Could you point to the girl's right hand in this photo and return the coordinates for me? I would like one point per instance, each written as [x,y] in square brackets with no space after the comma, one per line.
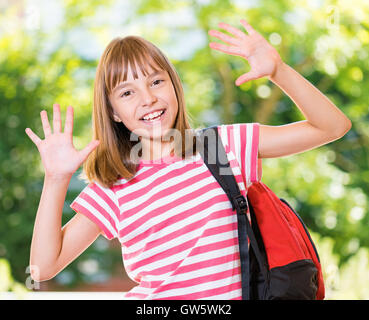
[58,155]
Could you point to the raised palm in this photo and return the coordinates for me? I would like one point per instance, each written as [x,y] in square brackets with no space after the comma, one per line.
[262,57]
[58,155]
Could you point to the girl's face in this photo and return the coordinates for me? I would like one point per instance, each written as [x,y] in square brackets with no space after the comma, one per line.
[135,101]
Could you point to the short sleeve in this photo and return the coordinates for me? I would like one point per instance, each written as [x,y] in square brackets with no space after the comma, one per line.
[243,140]
[100,205]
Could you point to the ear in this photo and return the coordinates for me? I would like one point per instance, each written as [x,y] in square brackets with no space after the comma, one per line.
[116,118]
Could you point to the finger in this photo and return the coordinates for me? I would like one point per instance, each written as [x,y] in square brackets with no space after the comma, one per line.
[68,126]
[236,32]
[226,49]
[56,118]
[88,149]
[45,123]
[251,75]
[223,37]
[250,30]
[35,139]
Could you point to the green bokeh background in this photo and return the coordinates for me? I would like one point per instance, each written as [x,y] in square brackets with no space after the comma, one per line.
[49,52]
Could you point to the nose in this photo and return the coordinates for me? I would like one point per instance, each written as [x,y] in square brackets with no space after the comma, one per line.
[148,97]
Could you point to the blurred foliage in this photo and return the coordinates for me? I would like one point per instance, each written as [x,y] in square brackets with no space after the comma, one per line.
[7,282]
[49,53]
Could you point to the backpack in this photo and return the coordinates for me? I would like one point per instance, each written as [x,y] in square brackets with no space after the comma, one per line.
[278,257]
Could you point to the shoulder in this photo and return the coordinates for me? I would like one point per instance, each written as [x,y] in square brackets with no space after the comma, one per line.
[239,133]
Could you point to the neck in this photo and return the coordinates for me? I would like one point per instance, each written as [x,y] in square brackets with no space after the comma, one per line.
[155,149]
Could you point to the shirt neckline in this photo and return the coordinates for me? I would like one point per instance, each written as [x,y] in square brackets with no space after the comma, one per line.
[159,162]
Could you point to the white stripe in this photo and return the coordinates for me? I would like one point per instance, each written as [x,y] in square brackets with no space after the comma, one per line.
[159,277]
[224,135]
[217,237]
[225,296]
[160,263]
[168,279]
[236,139]
[208,256]
[248,153]
[200,287]
[202,272]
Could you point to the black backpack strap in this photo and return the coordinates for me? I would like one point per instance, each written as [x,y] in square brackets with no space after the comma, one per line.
[212,151]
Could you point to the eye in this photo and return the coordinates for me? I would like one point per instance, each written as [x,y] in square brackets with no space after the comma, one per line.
[126,94]
[158,81]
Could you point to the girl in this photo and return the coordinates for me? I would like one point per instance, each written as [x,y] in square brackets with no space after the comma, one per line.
[175,224]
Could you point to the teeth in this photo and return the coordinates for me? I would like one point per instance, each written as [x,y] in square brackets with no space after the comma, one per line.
[153,115]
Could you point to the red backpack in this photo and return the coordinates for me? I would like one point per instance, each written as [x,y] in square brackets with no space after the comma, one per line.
[278,257]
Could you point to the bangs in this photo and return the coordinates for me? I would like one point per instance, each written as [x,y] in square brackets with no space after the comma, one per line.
[131,52]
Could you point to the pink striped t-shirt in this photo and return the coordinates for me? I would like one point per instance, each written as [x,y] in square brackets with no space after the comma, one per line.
[176,226]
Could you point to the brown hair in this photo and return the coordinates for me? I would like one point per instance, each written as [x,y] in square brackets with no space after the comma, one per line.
[111,159]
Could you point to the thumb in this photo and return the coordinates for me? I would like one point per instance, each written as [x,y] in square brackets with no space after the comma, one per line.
[251,75]
[88,149]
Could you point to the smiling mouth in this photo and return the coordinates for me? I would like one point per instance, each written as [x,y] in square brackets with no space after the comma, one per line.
[158,117]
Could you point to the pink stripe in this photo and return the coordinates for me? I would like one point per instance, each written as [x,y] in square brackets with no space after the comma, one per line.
[254,152]
[136,179]
[135,295]
[199,280]
[191,227]
[99,209]
[220,229]
[205,264]
[78,208]
[214,246]
[156,272]
[161,194]
[230,133]
[151,284]
[206,293]
[106,199]
[160,210]
[243,143]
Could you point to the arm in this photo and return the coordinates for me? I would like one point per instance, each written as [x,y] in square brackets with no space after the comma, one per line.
[324,121]
[52,247]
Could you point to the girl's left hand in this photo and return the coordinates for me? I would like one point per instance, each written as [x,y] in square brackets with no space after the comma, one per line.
[262,56]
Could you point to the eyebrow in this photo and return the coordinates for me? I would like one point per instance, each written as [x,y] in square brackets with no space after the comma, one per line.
[124,84]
